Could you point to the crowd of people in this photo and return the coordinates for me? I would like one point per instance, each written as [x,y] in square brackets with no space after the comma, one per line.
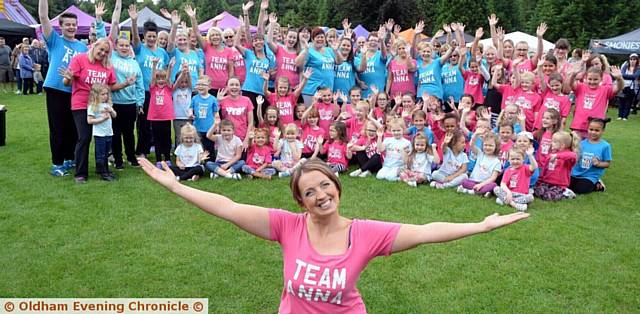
[484,120]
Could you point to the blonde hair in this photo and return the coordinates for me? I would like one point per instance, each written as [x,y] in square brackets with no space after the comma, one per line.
[106,60]
[363,103]
[189,129]
[396,122]
[570,141]
[214,29]
[94,95]
[492,137]
[527,76]
[291,127]
[424,44]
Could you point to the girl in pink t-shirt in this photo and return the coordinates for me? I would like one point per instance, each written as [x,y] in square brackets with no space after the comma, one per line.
[400,71]
[283,98]
[269,120]
[555,177]
[514,187]
[312,135]
[474,77]
[161,110]
[505,133]
[553,98]
[237,109]
[525,98]
[327,109]
[336,147]
[592,98]
[550,125]
[259,156]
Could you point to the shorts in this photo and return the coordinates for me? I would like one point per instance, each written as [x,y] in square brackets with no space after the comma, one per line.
[6,75]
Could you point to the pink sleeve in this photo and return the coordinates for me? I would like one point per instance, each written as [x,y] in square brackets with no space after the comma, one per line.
[74,66]
[267,157]
[378,236]
[610,93]
[281,222]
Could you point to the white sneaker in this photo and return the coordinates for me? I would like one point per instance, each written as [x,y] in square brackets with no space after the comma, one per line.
[568,193]
[337,174]
[461,189]
[520,207]
[472,192]
[439,186]
[213,175]
[365,174]
[619,118]
[284,174]
[355,173]
[17,92]
[412,183]
[236,176]
[499,201]
[432,184]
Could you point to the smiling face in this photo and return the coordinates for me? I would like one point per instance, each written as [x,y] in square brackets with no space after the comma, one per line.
[382,101]
[325,96]
[123,47]
[548,120]
[521,50]
[300,111]
[215,38]
[261,138]
[272,116]
[150,38]
[526,84]
[183,41]
[450,124]
[373,43]
[489,147]
[420,145]
[69,27]
[548,67]
[319,41]
[202,86]
[228,37]
[319,195]
[187,139]
[522,142]
[506,133]
[425,53]
[355,96]
[291,39]
[233,87]
[345,47]
[593,80]
[396,131]
[258,42]
[515,159]
[101,50]
[227,132]
[418,122]
[283,87]
[555,86]
[508,49]
[163,39]
[595,130]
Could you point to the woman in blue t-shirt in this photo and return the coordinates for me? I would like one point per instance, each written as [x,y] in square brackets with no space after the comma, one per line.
[345,72]
[184,54]
[321,59]
[372,64]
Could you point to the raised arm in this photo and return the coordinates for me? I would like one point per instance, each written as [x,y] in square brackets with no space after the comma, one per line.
[193,18]
[416,38]
[115,21]
[175,20]
[303,81]
[493,21]
[476,39]
[43,14]
[252,219]
[135,37]
[273,19]
[542,28]
[245,18]
[617,74]
[237,41]
[262,16]
[410,236]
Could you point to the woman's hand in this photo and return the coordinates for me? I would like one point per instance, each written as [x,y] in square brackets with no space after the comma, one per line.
[165,177]
[496,221]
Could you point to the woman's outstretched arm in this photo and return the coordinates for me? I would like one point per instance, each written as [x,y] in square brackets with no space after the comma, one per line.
[252,219]
[410,236]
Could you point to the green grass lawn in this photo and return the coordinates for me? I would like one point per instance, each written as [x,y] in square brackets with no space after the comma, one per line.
[132,238]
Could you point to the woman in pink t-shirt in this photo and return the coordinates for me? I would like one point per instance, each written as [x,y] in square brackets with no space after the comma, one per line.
[285,54]
[218,59]
[239,69]
[401,70]
[323,251]
[84,70]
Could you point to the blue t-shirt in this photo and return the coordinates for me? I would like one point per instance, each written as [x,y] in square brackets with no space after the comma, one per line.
[192,60]
[345,77]
[253,81]
[412,131]
[584,168]
[322,65]
[204,110]
[429,78]
[374,74]
[144,55]
[472,155]
[452,82]
[61,51]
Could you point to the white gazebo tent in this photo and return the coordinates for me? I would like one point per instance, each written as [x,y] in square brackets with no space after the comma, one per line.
[516,37]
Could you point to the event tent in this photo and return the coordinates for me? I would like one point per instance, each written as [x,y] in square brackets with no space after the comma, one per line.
[11,28]
[226,20]
[14,11]
[361,31]
[624,44]
[84,21]
[516,37]
[145,15]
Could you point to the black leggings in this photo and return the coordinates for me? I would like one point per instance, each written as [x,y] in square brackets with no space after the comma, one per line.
[62,129]
[85,131]
[162,137]
[582,186]
[188,172]
[123,125]
[371,164]
[144,128]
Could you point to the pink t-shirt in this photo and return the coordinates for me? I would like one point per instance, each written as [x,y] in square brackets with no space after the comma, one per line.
[504,151]
[370,144]
[285,105]
[310,138]
[286,66]
[354,128]
[326,115]
[590,103]
[239,69]
[216,64]
[315,283]
[473,85]
[85,74]
[517,180]
[402,81]
[544,149]
[526,66]
[508,94]
[336,152]
[379,115]
[160,104]
[272,132]
[258,155]
[562,103]
[558,170]
[235,110]
[529,103]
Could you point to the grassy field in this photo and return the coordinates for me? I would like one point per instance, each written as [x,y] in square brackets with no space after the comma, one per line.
[131,238]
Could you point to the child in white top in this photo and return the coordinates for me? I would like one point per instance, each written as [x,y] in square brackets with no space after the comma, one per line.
[289,150]
[189,155]
[418,163]
[229,147]
[454,162]
[395,149]
[99,114]
[487,167]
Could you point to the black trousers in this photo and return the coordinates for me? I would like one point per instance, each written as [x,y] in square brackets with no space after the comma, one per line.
[581,186]
[162,136]
[188,172]
[84,132]
[625,102]
[372,164]
[144,128]
[62,129]
[208,145]
[123,125]
[27,86]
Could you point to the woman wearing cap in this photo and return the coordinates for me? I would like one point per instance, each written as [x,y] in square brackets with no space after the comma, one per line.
[323,251]
[630,74]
